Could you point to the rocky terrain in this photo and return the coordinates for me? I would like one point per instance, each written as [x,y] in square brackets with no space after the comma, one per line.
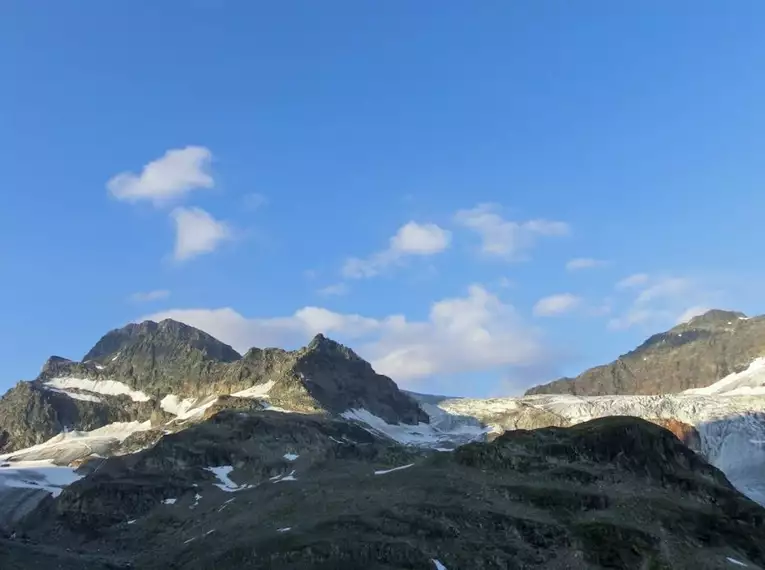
[273,490]
[691,355]
[164,448]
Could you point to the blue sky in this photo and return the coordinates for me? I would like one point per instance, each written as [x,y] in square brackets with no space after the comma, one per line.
[411,178]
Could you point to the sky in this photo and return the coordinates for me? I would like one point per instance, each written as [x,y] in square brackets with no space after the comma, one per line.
[476,197]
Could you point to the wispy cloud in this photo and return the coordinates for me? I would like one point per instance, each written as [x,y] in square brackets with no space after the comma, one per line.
[148,296]
[510,240]
[661,301]
[411,240]
[168,178]
[584,263]
[556,305]
[631,281]
[197,233]
[334,290]
[254,201]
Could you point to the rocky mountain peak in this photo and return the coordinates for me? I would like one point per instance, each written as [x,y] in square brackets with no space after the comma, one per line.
[167,336]
[694,354]
[713,318]
[326,346]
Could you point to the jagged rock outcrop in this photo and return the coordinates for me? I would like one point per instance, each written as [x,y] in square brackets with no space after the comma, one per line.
[311,492]
[128,373]
[691,355]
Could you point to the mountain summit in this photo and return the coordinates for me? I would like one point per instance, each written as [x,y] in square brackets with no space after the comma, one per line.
[694,354]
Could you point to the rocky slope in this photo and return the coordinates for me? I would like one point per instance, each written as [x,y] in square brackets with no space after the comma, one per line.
[691,355]
[267,490]
[159,371]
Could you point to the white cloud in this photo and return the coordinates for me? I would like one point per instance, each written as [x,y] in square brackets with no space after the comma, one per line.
[464,334]
[634,280]
[510,240]
[412,239]
[175,174]
[145,297]
[556,304]
[583,263]
[336,289]
[197,232]
[661,302]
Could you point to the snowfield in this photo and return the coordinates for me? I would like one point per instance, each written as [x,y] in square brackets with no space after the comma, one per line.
[105,387]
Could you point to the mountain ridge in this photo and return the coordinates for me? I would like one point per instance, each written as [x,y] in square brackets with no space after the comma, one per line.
[690,355]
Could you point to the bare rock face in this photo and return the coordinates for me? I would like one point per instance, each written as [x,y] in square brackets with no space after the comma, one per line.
[691,355]
[686,433]
[171,358]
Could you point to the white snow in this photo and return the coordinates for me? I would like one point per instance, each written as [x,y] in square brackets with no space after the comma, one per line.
[288,477]
[736,562]
[115,357]
[42,475]
[424,435]
[189,540]
[132,522]
[285,529]
[209,532]
[99,367]
[394,469]
[105,387]
[169,501]
[257,391]
[76,395]
[197,496]
[749,382]
[68,446]
[438,565]
[290,456]
[226,484]
[188,407]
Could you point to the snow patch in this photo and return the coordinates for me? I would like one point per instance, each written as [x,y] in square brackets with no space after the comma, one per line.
[76,395]
[169,501]
[747,382]
[438,565]
[132,522]
[288,477]
[105,387]
[257,391]
[736,562]
[43,475]
[423,435]
[384,472]
[290,456]
[285,529]
[226,484]
[187,408]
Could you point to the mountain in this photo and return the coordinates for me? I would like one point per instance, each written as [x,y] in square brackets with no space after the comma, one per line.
[691,355]
[164,448]
[267,490]
[162,371]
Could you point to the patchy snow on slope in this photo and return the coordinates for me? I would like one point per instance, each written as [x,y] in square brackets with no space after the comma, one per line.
[386,471]
[169,501]
[290,456]
[76,395]
[747,382]
[187,408]
[71,445]
[226,484]
[736,562]
[423,435]
[285,529]
[438,565]
[288,477]
[257,391]
[104,387]
[43,475]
